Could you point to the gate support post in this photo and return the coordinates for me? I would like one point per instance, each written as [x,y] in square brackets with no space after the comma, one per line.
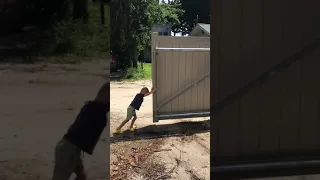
[154,73]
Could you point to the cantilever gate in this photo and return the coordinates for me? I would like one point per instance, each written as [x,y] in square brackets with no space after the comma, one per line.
[266,72]
[181,73]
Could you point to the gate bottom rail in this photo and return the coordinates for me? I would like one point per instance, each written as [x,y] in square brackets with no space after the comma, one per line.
[266,165]
[267,169]
[183,115]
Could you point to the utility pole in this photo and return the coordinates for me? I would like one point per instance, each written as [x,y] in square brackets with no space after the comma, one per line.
[197,20]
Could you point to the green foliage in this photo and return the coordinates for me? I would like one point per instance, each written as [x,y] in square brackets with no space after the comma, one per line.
[194,10]
[132,21]
[164,13]
[178,22]
[82,39]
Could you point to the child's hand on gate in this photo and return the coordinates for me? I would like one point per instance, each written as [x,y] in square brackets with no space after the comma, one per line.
[153,90]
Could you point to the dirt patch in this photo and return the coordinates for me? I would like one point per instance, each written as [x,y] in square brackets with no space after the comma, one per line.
[189,155]
[172,149]
[134,158]
[38,103]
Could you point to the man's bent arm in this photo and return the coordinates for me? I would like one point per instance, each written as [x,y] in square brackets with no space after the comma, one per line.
[103,94]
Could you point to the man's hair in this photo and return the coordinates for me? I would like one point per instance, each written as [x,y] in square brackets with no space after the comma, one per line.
[144,89]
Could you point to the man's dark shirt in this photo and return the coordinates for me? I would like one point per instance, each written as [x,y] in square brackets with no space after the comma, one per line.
[88,126]
[137,101]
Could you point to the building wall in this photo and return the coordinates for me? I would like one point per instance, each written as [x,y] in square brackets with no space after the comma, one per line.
[199,32]
[162,30]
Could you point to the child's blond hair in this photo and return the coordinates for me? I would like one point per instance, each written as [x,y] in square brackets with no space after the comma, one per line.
[144,90]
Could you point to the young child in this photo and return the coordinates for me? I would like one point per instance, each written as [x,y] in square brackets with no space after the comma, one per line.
[82,136]
[135,105]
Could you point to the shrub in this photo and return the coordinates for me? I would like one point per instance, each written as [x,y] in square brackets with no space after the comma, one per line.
[79,39]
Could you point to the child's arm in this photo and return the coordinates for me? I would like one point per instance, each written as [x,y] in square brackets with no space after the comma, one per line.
[152,91]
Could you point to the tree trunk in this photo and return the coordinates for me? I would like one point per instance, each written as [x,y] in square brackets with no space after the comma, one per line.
[102,12]
[141,59]
[134,59]
[80,10]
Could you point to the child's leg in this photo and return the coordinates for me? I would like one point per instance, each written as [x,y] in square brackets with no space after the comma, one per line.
[133,120]
[130,113]
[123,123]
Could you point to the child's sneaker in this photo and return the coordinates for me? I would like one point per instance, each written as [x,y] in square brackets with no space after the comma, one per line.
[117,131]
[133,128]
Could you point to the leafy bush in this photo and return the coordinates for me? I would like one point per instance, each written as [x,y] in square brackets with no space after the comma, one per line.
[82,39]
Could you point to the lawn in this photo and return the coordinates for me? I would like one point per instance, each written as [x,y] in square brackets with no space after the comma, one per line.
[147,70]
[139,73]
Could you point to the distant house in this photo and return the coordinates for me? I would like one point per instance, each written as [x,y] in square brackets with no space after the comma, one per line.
[162,30]
[201,29]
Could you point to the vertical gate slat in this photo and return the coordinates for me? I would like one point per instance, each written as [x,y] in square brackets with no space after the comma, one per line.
[175,78]
[309,127]
[201,86]
[251,33]
[269,114]
[215,40]
[229,71]
[154,72]
[161,70]
[194,73]
[206,83]
[292,42]
[168,74]
[309,124]
[313,19]
[182,75]
[188,79]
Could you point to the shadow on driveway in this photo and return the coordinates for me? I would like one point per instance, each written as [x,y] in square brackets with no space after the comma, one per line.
[161,131]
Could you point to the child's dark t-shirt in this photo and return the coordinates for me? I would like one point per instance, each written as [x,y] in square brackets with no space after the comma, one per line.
[88,126]
[137,101]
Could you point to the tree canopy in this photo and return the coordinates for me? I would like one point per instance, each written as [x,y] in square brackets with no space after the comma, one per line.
[195,11]
[131,22]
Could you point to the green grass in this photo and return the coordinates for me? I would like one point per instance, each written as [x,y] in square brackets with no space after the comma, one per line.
[133,74]
[147,70]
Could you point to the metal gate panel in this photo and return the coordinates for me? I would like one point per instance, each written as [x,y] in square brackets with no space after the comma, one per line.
[181,73]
